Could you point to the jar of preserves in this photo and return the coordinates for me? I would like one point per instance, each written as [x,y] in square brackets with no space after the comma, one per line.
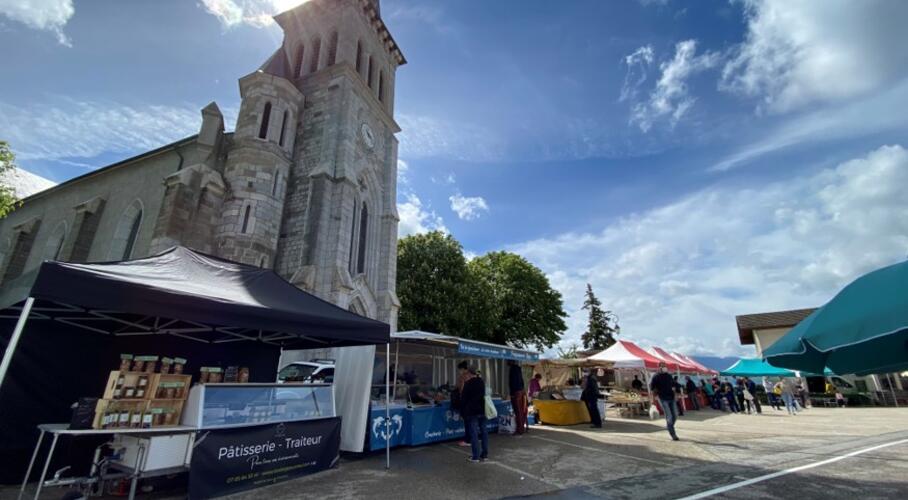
[125,362]
[243,376]
[166,363]
[178,364]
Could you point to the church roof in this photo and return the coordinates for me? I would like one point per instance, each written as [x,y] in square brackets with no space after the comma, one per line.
[278,64]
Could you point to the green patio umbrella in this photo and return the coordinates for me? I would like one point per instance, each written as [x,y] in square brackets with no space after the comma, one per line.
[862,330]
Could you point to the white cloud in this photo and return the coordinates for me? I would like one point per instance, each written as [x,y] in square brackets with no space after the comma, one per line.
[49,15]
[69,128]
[638,63]
[428,137]
[677,275]
[468,207]
[800,52]
[671,98]
[417,219]
[255,13]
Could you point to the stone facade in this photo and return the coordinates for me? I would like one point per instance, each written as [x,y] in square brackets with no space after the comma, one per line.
[306,183]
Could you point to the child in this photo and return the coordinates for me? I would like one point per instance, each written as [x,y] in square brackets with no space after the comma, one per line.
[840,399]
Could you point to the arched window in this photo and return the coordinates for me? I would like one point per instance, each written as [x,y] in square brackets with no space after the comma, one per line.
[127,232]
[298,62]
[316,48]
[246,213]
[363,230]
[352,238]
[283,127]
[359,58]
[266,118]
[332,49]
[381,86]
[54,244]
[369,73]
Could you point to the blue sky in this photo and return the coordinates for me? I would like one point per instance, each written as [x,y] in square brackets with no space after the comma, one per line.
[691,160]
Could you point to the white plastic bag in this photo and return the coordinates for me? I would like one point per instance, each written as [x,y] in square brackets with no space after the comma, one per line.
[491,412]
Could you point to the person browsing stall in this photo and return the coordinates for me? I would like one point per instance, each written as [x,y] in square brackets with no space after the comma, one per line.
[518,396]
[474,413]
[664,387]
[590,396]
[637,384]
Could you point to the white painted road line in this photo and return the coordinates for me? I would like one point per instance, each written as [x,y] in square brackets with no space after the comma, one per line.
[521,473]
[600,450]
[734,486]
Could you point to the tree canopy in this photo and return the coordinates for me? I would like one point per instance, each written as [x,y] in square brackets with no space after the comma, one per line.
[8,199]
[499,297]
[599,334]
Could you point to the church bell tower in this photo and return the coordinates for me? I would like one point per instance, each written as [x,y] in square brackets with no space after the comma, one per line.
[319,181]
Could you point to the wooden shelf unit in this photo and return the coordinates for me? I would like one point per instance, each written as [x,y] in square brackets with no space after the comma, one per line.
[149,402]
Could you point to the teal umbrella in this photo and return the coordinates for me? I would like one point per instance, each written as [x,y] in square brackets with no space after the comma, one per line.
[862,330]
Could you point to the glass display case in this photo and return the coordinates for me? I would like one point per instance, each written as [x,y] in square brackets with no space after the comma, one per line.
[234,405]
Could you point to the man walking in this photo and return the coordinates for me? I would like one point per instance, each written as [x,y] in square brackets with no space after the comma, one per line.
[751,387]
[664,387]
[590,396]
[518,396]
[474,412]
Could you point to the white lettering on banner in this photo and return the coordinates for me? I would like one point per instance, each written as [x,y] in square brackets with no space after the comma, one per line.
[302,441]
[245,451]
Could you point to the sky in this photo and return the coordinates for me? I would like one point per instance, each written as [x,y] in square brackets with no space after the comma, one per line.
[690,160]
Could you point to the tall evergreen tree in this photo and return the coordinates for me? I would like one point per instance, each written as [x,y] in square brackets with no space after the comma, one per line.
[600,334]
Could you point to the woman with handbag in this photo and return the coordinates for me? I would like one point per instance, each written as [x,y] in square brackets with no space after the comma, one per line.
[473,404]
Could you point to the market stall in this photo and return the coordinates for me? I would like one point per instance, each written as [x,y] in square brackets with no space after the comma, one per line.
[423,372]
[559,401]
[225,322]
[629,359]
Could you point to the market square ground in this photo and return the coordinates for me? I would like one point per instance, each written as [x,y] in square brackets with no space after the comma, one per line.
[636,459]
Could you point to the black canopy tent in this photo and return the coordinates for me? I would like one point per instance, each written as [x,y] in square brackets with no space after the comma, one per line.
[179,302]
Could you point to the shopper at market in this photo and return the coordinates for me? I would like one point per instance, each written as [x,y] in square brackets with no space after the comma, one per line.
[786,389]
[679,397]
[457,400]
[474,412]
[590,396]
[692,393]
[637,384]
[771,394]
[664,387]
[751,387]
[535,385]
[518,396]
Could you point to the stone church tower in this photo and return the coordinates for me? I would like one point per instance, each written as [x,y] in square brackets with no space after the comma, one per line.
[312,171]
[306,184]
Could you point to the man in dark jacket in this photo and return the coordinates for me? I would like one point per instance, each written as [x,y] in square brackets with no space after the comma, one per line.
[518,396]
[473,410]
[691,389]
[590,396]
[663,386]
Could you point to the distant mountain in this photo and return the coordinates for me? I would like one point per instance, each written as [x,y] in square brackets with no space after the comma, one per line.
[26,183]
[715,362]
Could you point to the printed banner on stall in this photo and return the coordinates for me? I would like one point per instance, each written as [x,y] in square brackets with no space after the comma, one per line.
[493,351]
[227,461]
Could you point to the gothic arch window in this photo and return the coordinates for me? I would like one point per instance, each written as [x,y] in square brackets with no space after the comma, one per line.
[359,58]
[332,49]
[283,127]
[246,216]
[381,86]
[266,118]
[298,62]
[369,73]
[127,232]
[316,48]
[352,238]
[363,236]
[54,245]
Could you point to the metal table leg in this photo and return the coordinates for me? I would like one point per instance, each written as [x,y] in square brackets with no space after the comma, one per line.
[135,473]
[30,465]
[50,455]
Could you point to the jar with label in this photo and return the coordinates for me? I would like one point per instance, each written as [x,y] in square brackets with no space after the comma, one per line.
[129,392]
[178,364]
[243,376]
[151,363]
[138,365]
[169,417]
[125,362]
[178,388]
[203,375]
[214,375]
[123,418]
[118,389]
[135,420]
[166,363]
[147,420]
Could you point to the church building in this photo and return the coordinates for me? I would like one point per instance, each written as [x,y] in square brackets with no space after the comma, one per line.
[306,184]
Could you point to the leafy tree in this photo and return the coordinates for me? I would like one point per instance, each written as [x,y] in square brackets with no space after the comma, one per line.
[8,199]
[432,283]
[527,310]
[600,334]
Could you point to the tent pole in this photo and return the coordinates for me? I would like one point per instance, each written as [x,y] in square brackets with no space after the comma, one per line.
[388,405]
[14,340]
[895,399]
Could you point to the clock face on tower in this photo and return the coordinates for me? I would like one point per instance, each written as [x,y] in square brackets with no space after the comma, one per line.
[368,137]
